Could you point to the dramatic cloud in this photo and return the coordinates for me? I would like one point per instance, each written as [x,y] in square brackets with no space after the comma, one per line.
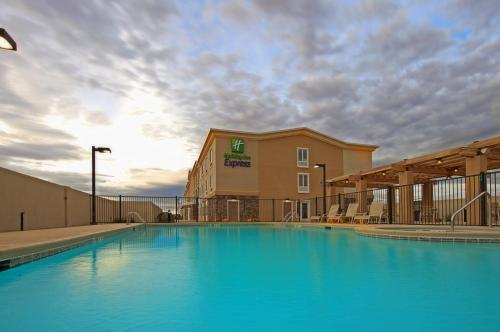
[149,78]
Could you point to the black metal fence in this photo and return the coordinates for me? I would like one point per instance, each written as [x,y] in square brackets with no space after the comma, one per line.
[431,203]
[151,209]
[434,202]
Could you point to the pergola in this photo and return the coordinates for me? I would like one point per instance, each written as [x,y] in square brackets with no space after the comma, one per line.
[469,160]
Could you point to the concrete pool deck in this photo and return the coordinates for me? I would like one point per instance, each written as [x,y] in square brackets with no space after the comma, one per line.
[25,246]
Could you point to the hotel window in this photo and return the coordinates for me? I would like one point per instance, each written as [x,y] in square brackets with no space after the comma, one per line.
[302,157]
[303,182]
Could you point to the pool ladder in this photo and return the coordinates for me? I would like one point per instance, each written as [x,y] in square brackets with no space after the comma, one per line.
[290,216]
[488,214]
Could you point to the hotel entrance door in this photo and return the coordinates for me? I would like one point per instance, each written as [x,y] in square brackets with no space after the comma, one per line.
[304,208]
[233,210]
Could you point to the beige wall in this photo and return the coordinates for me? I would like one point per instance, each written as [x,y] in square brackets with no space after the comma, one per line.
[237,180]
[43,203]
[77,207]
[278,166]
[274,170]
[355,161]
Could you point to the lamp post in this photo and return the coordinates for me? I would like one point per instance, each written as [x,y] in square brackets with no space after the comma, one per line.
[94,150]
[6,41]
[323,166]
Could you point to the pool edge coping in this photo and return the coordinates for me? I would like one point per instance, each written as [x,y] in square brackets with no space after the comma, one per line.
[35,252]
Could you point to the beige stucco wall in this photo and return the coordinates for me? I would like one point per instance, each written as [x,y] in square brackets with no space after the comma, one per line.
[43,203]
[355,161]
[278,166]
[237,180]
[77,207]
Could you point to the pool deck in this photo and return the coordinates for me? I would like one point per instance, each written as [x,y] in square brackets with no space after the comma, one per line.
[25,246]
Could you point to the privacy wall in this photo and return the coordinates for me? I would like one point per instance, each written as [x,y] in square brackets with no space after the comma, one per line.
[45,204]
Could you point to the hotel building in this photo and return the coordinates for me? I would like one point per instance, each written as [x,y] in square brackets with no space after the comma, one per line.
[270,173]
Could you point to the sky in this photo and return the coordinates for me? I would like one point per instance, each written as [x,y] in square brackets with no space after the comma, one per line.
[149,78]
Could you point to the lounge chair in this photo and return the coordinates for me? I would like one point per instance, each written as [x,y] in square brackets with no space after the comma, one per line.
[375,213]
[333,213]
[316,218]
[352,211]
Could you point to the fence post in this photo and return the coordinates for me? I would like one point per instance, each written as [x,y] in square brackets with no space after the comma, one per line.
[22,220]
[274,218]
[389,204]
[175,217]
[120,207]
[197,209]
[316,203]
[482,187]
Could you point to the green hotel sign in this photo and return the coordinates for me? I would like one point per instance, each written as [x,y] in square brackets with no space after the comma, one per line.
[237,145]
[237,158]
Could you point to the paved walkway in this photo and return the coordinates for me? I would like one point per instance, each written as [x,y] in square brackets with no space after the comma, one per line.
[15,244]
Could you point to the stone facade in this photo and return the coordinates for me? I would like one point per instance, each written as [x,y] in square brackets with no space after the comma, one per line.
[216,208]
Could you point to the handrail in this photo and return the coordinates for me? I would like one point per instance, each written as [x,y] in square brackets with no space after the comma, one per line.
[290,216]
[452,224]
[131,214]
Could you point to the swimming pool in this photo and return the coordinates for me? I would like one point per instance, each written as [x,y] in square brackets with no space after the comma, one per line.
[255,278]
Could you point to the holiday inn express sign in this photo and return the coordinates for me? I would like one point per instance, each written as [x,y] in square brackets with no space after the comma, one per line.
[237,145]
[237,157]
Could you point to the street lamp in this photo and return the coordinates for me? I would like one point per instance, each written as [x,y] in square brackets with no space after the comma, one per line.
[6,41]
[323,166]
[94,150]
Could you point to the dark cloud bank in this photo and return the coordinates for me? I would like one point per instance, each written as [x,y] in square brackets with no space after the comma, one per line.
[410,78]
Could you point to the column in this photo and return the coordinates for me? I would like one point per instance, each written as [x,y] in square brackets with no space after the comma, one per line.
[406,180]
[473,167]
[361,195]
[427,214]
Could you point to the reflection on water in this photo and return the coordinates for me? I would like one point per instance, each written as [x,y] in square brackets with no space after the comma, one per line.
[220,278]
[147,237]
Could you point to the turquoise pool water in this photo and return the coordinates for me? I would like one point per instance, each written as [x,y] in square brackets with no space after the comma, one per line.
[255,278]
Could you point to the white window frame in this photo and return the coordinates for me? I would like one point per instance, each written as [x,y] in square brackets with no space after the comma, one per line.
[303,164]
[303,189]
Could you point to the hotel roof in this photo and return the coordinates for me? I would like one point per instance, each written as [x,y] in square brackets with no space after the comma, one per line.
[290,132]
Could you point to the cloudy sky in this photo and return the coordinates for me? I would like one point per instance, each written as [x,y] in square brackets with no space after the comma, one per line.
[149,78]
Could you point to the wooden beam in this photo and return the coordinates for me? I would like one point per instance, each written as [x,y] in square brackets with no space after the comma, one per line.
[399,167]
[381,179]
[493,156]
[429,170]
[355,177]
[485,143]
[468,152]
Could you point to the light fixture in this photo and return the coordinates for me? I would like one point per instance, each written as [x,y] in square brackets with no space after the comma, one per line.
[346,181]
[94,150]
[384,173]
[323,166]
[6,41]
[484,150]
[455,170]
[439,161]
[102,149]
